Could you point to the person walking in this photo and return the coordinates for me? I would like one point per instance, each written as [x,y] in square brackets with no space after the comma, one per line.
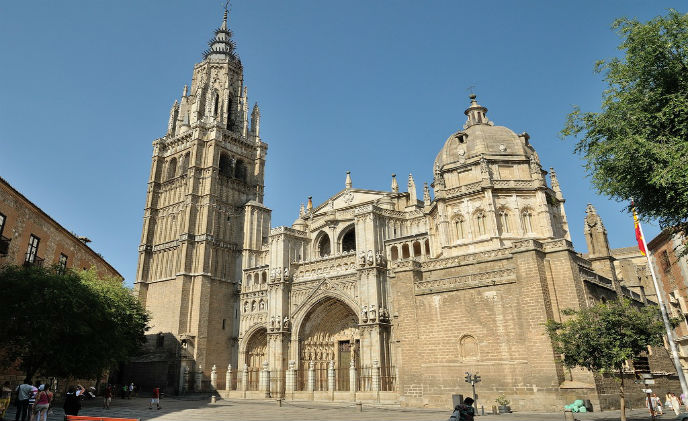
[72,403]
[131,390]
[657,404]
[156,398]
[107,396]
[675,404]
[23,395]
[43,399]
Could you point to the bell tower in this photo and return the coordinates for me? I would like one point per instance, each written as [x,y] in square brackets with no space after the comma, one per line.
[203,212]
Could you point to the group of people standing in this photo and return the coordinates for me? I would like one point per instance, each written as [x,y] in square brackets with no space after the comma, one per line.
[671,402]
[33,401]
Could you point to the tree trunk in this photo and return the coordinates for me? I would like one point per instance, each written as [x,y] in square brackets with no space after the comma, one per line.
[622,397]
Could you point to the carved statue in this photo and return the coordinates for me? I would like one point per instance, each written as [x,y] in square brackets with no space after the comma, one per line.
[286,272]
[379,258]
[285,323]
[372,312]
[364,313]
[292,365]
[362,257]
[370,257]
[272,322]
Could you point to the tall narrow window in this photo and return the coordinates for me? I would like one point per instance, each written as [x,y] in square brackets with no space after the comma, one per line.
[349,240]
[4,242]
[172,168]
[324,246]
[460,228]
[216,105]
[504,220]
[527,219]
[480,223]
[2,223]
[33,249]
[62,264]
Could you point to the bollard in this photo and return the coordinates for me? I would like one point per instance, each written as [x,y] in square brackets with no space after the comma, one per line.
[213,399]
[482,410]
[359,405]
[568,415]
[279,402]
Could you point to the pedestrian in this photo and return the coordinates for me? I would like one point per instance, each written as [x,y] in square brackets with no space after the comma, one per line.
[32,401]
[464,411]
[156,398]
[23,394]
[675,404]
[107,396]
[657,404]
[124,391]
[131,390]
[43,399]
[72,403]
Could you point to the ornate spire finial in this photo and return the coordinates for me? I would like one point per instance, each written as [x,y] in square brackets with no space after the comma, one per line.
[476,113]
[426,194]
[348,180]
[222,46]
[412,189]
[310,203]
[395,185]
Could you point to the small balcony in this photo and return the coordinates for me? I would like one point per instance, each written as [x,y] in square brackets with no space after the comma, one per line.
[4,246]
[33,260]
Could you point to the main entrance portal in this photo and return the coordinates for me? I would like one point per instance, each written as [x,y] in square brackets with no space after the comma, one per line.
[329,335]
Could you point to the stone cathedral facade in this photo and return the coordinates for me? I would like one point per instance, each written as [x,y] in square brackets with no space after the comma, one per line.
[370,295]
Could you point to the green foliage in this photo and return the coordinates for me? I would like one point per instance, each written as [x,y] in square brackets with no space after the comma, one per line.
[502,400]
[604,336]
[636,147]
[66,324]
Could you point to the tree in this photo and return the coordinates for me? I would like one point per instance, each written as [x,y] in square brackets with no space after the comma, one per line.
[636,147]
[69,324]
[603,337]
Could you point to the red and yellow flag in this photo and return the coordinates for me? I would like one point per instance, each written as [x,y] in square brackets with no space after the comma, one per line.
[638,234]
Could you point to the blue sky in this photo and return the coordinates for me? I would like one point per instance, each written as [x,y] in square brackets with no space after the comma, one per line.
[371,87]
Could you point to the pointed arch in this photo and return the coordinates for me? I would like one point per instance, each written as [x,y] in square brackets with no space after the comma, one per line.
[504,218]
[480,222]
[226,168]
[459,225]
[527,220]
[171,168]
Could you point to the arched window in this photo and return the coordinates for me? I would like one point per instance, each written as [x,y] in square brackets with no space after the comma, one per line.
[460,227]
[504,220]
[527,220]
[405,254]
[256,280]
[427,247]
[253,305]
[226,169]
[245,306]
[261,305]
[216,104]
[349,240]
[480,223]
[171,168]
[264,275]
[324,247]
[416,249]
[185,164]
[395,253]
[469,348]
[240,170]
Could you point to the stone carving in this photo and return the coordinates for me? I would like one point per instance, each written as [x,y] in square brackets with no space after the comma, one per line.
[362,258]
[370,258]
[371,313]
[285,322]
[291,365]
[364,314]
[286,273]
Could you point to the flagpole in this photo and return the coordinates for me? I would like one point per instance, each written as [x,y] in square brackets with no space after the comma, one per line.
[665,317]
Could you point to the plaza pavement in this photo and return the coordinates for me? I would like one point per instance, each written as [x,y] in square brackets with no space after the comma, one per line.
[195,409]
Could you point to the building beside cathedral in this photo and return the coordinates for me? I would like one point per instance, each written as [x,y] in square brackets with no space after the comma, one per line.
[370,295]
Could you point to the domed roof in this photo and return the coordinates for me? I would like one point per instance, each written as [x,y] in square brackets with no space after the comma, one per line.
[481,136]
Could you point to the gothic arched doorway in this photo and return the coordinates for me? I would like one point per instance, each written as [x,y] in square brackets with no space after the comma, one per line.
[329,333]
[255,355]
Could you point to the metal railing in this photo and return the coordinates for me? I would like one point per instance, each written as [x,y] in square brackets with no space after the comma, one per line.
[33,260]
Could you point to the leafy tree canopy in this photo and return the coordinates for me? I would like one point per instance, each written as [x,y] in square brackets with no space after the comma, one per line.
[71,324]
[604,336]
[636,147]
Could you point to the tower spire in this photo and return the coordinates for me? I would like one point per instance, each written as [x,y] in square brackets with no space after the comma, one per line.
[395,185]
[476,113]
[222,46]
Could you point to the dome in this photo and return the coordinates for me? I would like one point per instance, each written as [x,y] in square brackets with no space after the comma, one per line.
[481,136]
[299,224]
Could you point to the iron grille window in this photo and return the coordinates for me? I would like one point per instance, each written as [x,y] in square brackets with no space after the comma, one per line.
[33,249]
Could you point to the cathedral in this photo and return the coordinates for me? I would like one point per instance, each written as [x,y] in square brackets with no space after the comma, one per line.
[372,296]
